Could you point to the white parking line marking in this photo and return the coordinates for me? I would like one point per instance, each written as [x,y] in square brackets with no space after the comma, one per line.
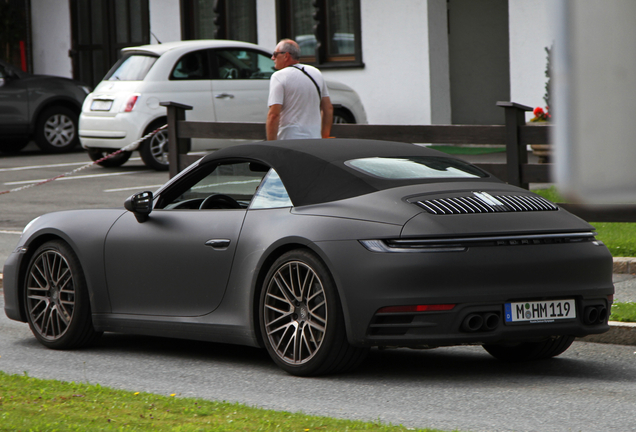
[76,177]
[10,232]
[24,168]
[133,188]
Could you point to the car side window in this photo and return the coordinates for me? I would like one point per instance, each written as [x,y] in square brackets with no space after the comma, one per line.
[226,186]
[192,66]
[241,64]
[271,193]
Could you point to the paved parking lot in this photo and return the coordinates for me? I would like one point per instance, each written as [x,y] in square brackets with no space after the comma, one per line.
[93,187]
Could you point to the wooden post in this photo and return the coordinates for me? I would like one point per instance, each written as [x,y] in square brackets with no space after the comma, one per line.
[176,146]
[515,155]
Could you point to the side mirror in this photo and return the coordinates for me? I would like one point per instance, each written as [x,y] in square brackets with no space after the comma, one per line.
[140,204]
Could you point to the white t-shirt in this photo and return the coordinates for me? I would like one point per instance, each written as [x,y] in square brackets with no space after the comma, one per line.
[300,113]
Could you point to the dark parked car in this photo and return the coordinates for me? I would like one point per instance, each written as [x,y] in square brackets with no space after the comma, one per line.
[318,250]
[40,107]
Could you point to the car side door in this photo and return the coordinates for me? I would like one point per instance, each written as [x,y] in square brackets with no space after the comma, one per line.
[177,262]
[14,102]
[190,83]
[240,85]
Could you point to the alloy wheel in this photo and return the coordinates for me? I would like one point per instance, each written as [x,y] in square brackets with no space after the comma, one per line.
[159,147]
[50,295]
[59,130]
[295,313]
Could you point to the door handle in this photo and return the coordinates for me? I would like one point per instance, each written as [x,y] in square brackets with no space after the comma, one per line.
[218,243]
[224,96]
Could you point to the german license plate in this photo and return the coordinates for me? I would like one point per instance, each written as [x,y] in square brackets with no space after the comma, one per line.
[540,312]
[101,105]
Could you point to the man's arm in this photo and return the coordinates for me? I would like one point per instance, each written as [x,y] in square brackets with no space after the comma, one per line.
[273,117]
[326,110]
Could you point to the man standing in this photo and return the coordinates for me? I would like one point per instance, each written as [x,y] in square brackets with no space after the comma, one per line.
[299,104]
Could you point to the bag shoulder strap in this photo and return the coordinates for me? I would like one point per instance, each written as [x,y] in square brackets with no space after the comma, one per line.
[312,80]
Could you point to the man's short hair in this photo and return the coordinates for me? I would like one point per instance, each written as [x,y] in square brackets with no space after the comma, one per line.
[291,47]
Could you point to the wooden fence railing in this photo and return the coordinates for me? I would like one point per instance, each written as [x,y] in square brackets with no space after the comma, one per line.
[515,135]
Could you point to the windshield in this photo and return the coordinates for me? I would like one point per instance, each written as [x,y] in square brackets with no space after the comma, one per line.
[131,68]
[418,167]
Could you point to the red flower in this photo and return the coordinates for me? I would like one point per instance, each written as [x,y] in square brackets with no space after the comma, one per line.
[538,111]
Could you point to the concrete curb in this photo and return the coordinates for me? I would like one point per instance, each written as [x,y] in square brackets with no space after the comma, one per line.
[620,333]
[624,265]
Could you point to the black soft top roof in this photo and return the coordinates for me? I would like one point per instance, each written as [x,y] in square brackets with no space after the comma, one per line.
[313,170]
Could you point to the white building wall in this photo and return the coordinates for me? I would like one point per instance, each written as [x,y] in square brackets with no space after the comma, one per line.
[266,23]
[51,24]
[530,33]
[439,62]
[165,21]
[394,84]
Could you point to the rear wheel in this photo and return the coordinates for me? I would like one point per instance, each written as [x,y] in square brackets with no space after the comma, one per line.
[56,298]
[301,318]
[111,162]
[527,351]
[154,150]
[56,130]
[342,116]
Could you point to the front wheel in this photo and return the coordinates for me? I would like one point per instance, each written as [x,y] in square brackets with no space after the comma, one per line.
[56,298]
[527,351]
[301,318]
[154,150]
[56,130]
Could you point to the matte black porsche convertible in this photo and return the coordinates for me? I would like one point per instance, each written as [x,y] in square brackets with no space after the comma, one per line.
[318,250]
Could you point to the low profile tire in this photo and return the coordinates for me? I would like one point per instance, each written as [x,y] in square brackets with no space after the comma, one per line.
[529,351]
[301,318]
[56,298]
[111,162]
[154,150]
[56,130]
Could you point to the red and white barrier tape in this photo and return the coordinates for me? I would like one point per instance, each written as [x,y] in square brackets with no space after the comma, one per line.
[130,147]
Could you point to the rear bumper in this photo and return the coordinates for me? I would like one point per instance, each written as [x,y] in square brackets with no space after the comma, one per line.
[432,329]
[111,132]
[480,280]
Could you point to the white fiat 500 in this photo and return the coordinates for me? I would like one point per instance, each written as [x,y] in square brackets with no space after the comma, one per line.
[221,80]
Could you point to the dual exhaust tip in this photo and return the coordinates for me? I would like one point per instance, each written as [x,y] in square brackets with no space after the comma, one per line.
[595,315]
[484,322]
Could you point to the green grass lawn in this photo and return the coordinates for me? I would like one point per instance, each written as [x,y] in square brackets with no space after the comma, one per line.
[30,404]
[624,312]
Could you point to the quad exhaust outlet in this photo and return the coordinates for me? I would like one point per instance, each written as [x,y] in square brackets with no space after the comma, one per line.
[594,315]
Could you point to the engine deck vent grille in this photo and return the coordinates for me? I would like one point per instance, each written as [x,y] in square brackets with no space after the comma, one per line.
[482,202]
